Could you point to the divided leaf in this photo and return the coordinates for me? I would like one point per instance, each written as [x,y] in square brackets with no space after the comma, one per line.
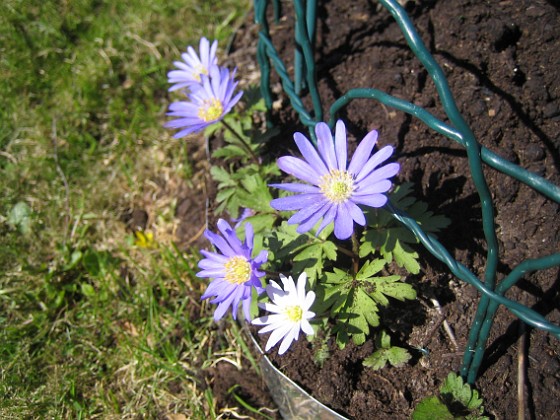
[381,287]
[354,301]
[395,356]
[432,408]
[457,400]
[455,390]
[306,252]
[245,187]
[391,239]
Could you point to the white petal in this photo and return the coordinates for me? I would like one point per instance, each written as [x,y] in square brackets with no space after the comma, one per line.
[306,327]
[277,335]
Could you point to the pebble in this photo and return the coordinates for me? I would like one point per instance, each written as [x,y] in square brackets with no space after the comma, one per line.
[534,152]
[551,110]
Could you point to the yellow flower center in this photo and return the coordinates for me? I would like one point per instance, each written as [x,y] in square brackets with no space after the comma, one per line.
[200,69]
[210,110]
[337,186]
[238,270]
[294,313]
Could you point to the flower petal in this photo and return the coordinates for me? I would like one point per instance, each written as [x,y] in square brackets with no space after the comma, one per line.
[363,152]
[289,338]
[355,212]
[343,224]
[294,202]
[277,335]
[325,144]
[341,145]
[299,188]
[299,168]
[310,154]
[372,200]
[373,162]
[384,172]
[309,211]
[306,327]
[366,188]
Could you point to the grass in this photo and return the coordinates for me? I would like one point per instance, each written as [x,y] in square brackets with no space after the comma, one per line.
[93,323]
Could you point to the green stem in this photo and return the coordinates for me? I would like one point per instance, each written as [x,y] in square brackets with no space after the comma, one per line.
[242,141]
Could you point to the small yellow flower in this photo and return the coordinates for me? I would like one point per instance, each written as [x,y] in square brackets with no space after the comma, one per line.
[144,239]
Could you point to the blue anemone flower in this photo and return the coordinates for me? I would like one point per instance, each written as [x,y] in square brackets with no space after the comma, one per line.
[207,104]
[234,271]
[336,188]
[193,65]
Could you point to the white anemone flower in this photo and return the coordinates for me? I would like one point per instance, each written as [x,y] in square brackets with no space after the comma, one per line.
[290,312]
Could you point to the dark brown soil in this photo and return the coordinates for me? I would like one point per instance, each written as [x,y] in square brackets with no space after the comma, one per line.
[501,59]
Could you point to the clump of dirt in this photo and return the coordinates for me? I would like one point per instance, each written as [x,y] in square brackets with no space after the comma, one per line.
[501,62]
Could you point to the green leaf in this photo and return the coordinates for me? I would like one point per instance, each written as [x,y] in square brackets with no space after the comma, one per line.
[370,268]
[244,187]
[457,400]
[395,356]
[376,361]
[304,252]
[390,286]
[19,217]
[353,301]
[229,152]
[386,236]
[354,310]
[454,390]
[431,408]
[87,290]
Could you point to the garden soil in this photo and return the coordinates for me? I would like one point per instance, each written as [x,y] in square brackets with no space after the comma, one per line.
[501,59]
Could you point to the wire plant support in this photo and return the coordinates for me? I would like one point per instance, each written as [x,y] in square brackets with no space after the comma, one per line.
[492,292]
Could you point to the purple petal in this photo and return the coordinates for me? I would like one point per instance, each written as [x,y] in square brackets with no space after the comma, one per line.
[327,219]
[190,130]
[379,157]
[299,168]
[247,309]
[220,243]
[365,188]
[295,202]
[325,145]
[355,212]
[363,152]
[299,188]
[341,145]
[216,258]
[261,258]
[212,272]
[310,154]
[384,172]
[308,211]
[232,239]
[372,200]
[343,224]
[249,235]
[310,222]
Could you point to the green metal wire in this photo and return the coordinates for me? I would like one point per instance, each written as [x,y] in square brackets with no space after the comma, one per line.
[475,163]
[287,84]
[264,63]
[299,62]
[534,181]
[459,131]
[438,250]
[304,37]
